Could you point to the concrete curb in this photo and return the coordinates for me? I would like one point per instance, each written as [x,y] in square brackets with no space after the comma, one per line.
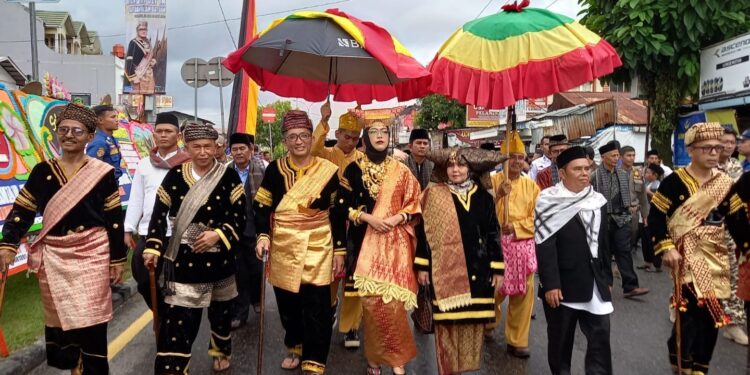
[29,358]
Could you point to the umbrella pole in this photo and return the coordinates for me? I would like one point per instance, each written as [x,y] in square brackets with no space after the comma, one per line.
[510,121]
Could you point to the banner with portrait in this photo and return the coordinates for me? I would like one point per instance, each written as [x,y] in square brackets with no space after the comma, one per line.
[146,55]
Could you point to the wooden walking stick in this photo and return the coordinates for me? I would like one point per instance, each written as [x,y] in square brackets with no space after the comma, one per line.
[261,323]
[154,298]
[3,345]
[677,299]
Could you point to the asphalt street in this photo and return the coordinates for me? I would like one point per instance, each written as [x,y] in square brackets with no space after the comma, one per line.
[639,330]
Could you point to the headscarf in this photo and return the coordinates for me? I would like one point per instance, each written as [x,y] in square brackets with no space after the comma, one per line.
[374,155]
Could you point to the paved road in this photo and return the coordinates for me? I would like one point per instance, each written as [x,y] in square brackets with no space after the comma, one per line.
[640,329]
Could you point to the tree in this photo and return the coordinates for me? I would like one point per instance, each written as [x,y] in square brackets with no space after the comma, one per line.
[436,109]
[262,135]
[660,41]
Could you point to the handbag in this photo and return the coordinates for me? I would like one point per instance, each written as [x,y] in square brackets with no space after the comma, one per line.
[422,315]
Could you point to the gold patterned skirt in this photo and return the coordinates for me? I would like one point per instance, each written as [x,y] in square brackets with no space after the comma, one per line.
[388,337]
[458,347]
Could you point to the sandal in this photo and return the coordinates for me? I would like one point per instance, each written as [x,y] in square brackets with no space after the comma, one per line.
[219,361]
[293,363]
[402,372]
[373,370]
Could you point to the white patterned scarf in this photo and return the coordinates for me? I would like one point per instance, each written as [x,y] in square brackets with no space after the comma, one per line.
[557,205]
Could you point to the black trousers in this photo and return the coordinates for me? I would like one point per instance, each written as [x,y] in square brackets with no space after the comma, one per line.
[561,330]
[306,318]
[647,247]
[140,274]
[249,275]
[619,246]
[178,329]
[698,335]
[88,345]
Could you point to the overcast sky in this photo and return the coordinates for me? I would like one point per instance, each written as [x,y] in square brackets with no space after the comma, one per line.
[422,27]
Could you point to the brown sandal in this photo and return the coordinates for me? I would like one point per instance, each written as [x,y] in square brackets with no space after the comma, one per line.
[295,360]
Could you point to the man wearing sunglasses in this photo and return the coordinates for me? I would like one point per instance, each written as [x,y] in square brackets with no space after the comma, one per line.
[307,242]
[687,220]
[80,249]
[342,153]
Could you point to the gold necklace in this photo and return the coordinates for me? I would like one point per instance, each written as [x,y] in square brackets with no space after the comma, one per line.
[373,175]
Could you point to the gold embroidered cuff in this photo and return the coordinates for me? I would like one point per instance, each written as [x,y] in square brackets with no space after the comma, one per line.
[340,251]
[497,265]
[223,238]
[152,251]
[421,261]
[663,246]
[120,262]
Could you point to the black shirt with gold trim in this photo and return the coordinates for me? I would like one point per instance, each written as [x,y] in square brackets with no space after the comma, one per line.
[223,211]
[100,208]
[677,188]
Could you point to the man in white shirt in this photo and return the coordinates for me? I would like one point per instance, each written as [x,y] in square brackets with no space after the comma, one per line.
[575,267]
[545,161]
[147,179]
[652,157]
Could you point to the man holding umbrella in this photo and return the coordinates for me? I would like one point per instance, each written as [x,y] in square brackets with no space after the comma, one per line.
[341,154]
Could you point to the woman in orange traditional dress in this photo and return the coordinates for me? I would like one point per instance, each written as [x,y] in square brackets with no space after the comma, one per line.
[459,254]
[382,197]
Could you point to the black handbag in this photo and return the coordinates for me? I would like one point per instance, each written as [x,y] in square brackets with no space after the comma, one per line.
[422,315]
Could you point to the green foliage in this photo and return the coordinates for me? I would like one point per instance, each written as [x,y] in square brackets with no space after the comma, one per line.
[261,133]
[660,40]
[436,109]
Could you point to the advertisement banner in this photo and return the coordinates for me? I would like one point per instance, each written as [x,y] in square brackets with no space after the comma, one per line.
[146,56]
[463,137]
[479,117]
[520,112]
[681,157]
[725,68]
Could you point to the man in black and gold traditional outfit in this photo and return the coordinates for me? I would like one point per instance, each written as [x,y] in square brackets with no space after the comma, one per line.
[306,242]
[205,202]
[687,219]
[80,249]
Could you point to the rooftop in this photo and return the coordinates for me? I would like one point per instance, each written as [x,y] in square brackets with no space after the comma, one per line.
[629,111]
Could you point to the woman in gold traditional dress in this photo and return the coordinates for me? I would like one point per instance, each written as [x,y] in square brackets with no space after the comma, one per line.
[459,254]
[382,197]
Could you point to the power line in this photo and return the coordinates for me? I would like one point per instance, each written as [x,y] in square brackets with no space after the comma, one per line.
[483,9]
[551,4]
[224,17]
[202,23]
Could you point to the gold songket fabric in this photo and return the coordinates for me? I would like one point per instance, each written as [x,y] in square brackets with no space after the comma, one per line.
[458,347]
[385,264]
[302,245]
[388,337]
[703,246]
[449,272]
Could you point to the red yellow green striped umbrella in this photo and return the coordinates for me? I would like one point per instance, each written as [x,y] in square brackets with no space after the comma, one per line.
[519,53]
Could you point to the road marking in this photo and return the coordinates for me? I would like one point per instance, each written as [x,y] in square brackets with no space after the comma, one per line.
[128,334]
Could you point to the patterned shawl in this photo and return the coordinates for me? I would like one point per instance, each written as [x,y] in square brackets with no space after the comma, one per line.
[177,159]
[600,181]
[424,176]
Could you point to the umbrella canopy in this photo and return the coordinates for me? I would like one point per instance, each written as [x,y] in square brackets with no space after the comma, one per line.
[310,55]
[516,54]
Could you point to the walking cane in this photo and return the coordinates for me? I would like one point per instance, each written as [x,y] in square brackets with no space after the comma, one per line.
[3,345]
[261,332]
[154,298]
[677,298]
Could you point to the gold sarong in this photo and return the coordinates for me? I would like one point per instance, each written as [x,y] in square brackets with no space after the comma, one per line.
[706,258]
[302,244]
[458,347]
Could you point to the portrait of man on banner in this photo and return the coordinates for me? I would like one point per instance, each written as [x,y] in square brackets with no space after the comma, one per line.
[146,58]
